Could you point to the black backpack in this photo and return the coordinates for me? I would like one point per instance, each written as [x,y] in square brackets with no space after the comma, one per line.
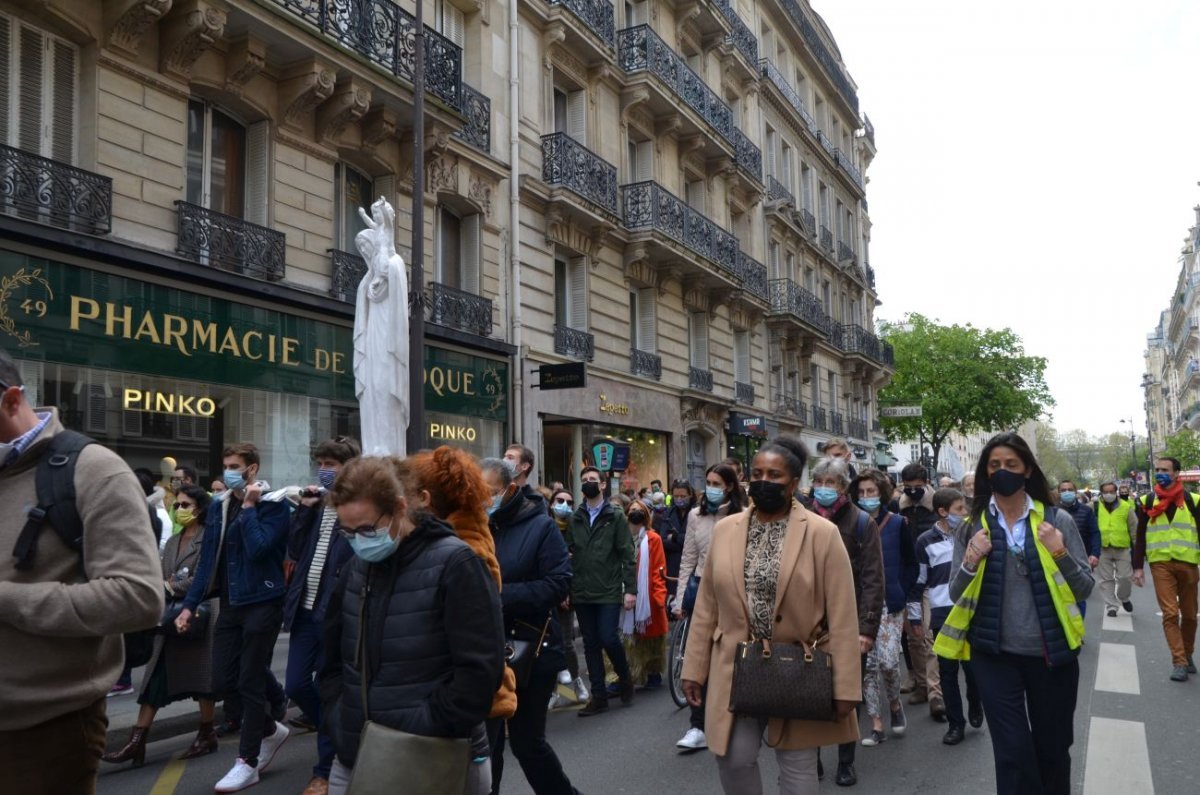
[55,482]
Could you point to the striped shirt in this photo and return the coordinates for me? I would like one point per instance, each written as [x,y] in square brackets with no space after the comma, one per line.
[22,442]
[324,535]
[935,554]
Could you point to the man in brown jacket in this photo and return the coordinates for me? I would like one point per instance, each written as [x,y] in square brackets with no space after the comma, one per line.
[60,621]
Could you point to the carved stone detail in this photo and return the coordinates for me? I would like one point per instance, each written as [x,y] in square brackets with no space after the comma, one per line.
[669,125]
[350,100]
[480,192]
[190,31]
[567,62]
[554,33]
[630,100]
[304,87]
[130,20]
[638,271]
[378,126]
[562,231]
[441,175]
[246,59]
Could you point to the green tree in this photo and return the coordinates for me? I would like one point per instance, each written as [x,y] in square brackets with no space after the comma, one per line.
[1185,446]
[964,379]
[1056,464]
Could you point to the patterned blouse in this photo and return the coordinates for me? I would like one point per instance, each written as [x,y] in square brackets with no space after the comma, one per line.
[764,546]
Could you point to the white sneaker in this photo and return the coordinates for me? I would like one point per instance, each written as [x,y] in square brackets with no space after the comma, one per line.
[271,745]
[239,778]
[582,695]
[692,741]
[564,677]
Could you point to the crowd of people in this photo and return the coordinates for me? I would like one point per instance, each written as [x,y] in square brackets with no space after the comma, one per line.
[439,596]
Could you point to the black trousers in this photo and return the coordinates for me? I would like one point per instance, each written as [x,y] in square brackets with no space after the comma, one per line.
[951,694]
[527,733]
[1030,710]
[846,750]
[598,626]
[242,647]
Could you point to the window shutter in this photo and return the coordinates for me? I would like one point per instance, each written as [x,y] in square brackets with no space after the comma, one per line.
[470,254]
[5,76]
[771,171]
[700,340]
[31,91]
[741,356]
[577,308]
[647,321]
[62,121]
[258,167]
[645,161]
[697,196]
[95,419]
[577,116]
[385,186]
[454,24]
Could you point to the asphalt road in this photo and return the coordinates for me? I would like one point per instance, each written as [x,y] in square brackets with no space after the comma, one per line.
[1144,741]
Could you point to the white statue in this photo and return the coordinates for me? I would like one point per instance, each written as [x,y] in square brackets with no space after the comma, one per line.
[381,336]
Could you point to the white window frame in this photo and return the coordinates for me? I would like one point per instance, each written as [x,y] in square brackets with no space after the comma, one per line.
[39,75]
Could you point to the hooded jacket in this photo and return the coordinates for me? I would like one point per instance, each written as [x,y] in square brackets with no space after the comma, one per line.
[602,556]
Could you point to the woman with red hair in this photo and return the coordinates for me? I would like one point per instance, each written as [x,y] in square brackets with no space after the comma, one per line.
[645,626]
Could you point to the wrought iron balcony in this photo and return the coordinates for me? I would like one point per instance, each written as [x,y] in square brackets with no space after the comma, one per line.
[889,355]
[569,163]
[826,144]
[836,425]
[847,164]
[229,243]
[869,128]
[772,73]
[385,34]
[743,393]
[649,206]
[747,155]
[477,108]
[645,364]
[826,239]
[753,274]
[791,406]
[808,221]
[700,379]
[778,192]
[596,15]
[856,429]
[454,308]
[818,421]
[574,343]
[640,49]
[789,298]
[740,34]
[831,65]
[348,271]
[870,276]
[55,193]
[860,341]
[837,335]
[844,252]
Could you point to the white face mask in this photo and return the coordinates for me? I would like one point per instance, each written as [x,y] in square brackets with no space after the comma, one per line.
[1109,497]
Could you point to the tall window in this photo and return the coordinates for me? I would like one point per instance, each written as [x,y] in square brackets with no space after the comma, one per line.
[824,205]
[39,75]
[570,113]
[785,165]
[641,160]
[741,357]
[772,143]
[833,401]
[806,187]
[451,22]
[698,337]
[354,190]
[773,259]
[458,250]
[827,297]
[643,320]
[790,271]
[570,292]
[697,195]
[814,385]
[227,163]
[636,13]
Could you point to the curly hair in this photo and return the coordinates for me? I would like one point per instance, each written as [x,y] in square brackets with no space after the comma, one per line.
[375,479]
[457,495]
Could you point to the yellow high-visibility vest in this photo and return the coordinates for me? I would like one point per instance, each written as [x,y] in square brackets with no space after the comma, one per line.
[1114,524]
[1171,539]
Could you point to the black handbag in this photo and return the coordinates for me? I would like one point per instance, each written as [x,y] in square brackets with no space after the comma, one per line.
[782,680]
[522,647]
[689,594]
[197,625]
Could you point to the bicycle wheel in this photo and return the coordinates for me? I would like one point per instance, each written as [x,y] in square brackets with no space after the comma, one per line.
[678,646]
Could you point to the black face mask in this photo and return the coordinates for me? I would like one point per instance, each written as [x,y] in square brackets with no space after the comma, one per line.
[769,497]
[914,493]
[591,489]
[637,517]
[1006,483]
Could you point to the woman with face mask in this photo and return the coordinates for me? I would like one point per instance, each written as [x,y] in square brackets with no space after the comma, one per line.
[671,524]
[562,505]
[433,648]
[537,578]
[1019,568]
[776,572]
[644,626]
[179,668]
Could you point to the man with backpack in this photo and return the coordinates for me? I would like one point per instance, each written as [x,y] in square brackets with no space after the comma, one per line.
[81,568]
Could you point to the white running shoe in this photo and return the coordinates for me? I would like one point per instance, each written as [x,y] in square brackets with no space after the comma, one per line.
[564,677]
[271,745]
[239,778]
[692,741]
[582,695]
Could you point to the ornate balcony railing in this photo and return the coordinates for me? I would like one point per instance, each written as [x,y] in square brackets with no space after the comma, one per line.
[229,243]
[789,298]
[778,192]
[889,355]
[856,429]
[640,49]
[700,379]
[772,73]
[449,306]
[837,335]
[792,406]
[569,163]
[826,238]
[828,62]
[836,425]
[56,193]
[348,271]
[818,420]
[574,343]
[650,206]
[845,253]
[741,36]
[743,393]
[808,221]
[847,164]
[753,274]
[747,155]
[859,340]
[385,34]
[477,108]
[596,15]
[645,364]
[826,144]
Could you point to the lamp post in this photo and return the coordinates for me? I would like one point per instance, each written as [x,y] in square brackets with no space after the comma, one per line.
[1148,382]
[1132,443]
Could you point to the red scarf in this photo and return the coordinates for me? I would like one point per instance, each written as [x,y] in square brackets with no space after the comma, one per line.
[1166,498]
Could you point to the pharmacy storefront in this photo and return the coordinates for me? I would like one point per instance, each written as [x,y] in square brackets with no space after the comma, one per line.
[466,400]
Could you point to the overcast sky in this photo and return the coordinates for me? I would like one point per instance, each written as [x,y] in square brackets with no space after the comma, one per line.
[1037,169]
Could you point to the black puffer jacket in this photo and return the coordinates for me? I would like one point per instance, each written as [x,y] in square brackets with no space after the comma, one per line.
[536,572]
[435,645]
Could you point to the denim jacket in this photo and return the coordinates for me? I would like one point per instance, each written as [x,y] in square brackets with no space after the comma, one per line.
[254,545]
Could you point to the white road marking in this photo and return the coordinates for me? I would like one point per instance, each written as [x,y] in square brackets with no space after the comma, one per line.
[1118,760]
[1121,622]
[1117,670]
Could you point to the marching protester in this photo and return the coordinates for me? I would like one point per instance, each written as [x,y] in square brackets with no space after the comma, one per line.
[838,448]
[671,525]
[1071,501]
[915,504]
[562,505]
[644,626]
[1019,570]
[1117,521]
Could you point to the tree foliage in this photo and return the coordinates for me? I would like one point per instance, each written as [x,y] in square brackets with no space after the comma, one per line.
[965,379]
[1184,445]
[1088,460]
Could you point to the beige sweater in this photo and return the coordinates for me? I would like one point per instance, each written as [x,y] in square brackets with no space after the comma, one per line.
[695,546]
[60,635]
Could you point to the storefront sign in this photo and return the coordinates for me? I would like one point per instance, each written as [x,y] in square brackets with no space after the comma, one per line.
[571,375]
[610,455]
[613,409]
[72,315]
[747,425]
[448,432]
[167,403]
[467,385]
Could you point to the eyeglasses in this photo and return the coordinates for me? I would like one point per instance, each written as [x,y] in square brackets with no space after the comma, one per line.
[564,501]
[366,530]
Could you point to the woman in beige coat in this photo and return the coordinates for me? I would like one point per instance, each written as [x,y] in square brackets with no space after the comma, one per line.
[787,571]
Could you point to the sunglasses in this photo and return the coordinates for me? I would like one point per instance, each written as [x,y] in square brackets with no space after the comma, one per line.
[184,505]
[563,501]
[366,530]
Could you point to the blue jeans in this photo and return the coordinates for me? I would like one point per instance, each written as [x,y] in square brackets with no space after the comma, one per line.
[305,654]
[598,626]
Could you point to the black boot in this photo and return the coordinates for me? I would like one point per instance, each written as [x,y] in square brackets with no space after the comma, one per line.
[204,744]
[134,750]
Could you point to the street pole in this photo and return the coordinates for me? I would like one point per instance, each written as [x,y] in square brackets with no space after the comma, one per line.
[415,438]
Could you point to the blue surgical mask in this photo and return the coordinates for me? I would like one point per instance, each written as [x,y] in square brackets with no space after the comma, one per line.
[325,477]
[234,479]
[825,496]
[953,521]
[1162,479]
[495,506]
[869,504]
[374,548]
[1067,497]
[563,510]
[715,495]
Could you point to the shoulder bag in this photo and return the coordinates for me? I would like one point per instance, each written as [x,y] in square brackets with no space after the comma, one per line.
[522,647]
[391,761]
[197,624]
